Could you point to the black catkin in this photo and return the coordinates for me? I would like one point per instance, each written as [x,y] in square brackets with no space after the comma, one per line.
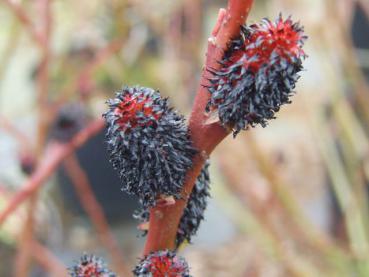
[148,143]
[193,214]
[258,74]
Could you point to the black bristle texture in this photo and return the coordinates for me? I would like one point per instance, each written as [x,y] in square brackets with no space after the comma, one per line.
[148,143]
[90,266]
[250,87]
[193,214]
[163,263]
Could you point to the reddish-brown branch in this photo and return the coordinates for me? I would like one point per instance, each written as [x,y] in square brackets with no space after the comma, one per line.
[164,220]
[102,55]
[84,76]
[19,12]
[53,156]
[23,257]
[47,260]
[95,212]
[43,75]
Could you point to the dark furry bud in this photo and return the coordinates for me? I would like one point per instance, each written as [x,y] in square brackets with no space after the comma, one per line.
[27,163]
[148,143]
[258,74]
[162,264]
[70,119]
[193,214]
[90,266]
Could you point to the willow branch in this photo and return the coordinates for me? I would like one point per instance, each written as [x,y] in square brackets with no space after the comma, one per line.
[24,258]
[53,156]
[164,220]
[23,18]
[47,260]
[21,138]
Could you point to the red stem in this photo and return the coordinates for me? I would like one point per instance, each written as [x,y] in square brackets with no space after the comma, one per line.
[23,258]
[164,220]
[22,16]
[47,260]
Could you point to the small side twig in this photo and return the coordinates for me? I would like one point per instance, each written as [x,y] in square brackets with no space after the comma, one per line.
[23,257]
[43,76]
[95,212]
[22,16]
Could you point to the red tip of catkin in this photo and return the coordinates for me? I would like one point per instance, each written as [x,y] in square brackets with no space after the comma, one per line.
[258,74]
[131,107]
[281,38]
[162,264]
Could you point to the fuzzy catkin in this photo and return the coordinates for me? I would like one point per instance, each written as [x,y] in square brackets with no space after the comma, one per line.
[148,143]
[258,74]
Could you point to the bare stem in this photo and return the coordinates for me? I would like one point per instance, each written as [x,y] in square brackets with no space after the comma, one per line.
[47,260]
[22,16]
[23,257]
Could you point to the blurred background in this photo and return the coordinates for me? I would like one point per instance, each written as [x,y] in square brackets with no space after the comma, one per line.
[287,200]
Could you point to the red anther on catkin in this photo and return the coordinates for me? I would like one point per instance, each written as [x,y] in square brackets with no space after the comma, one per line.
[162,264]
[281,38]
[149,144]
[90,266]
